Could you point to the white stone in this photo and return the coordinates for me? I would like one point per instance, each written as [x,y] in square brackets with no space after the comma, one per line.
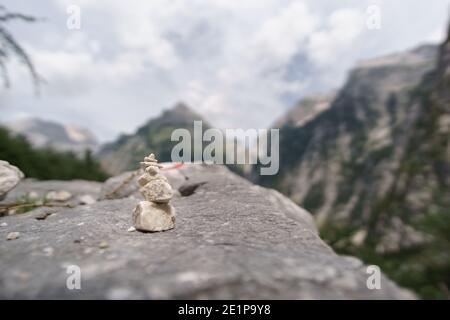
[3,224]
[358,238]
[131,229]
[103,245]
[151,158]
[146,178]
[48,251]
[9,177]
[13,235]
[86,199]
[33,195]
[58,196]
[158,191]
[88,250]
[152,170]
[149,216]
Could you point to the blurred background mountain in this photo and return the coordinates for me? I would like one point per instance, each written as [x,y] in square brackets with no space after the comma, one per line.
[43,133]
[47,163]
[154,136]
[374,167]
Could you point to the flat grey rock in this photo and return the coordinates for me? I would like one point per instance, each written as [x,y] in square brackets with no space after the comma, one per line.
[77,188]
[232,240]
[120,186]
[126,184]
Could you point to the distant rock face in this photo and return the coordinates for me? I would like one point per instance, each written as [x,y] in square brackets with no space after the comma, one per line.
[43,133]
[234,240]
[154,136]
[343,161]
[9,178]
[374,168]
[306,110]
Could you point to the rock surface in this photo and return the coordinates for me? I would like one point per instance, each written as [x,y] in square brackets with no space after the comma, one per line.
[121,186]
[234,240]
[78,189]
[9,178]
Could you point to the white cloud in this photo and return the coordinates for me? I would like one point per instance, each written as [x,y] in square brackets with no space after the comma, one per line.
[438,35]
[235,62]
[281,36]
[343,27]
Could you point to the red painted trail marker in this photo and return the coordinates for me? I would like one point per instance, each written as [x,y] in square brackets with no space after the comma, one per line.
[172,166]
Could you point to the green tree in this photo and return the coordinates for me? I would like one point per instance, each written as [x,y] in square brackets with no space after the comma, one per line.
[46,163]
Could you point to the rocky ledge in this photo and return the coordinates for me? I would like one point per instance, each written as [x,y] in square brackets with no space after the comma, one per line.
[233,240]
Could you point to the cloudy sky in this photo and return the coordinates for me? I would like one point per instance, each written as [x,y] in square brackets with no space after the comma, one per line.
[239,63]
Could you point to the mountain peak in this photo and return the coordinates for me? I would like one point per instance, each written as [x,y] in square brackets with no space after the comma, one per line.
[180,113]
[154,136]
[181,107]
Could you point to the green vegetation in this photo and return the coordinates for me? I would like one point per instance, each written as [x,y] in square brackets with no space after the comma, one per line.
[315,197]
[22,204]
[425,269]
[45,164]
[424,168]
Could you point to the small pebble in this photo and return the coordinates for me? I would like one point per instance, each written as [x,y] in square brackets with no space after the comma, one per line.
[87,250]
[103,245]
[33,195]
[58,196]
[22,276]
[3,224]
[131,229]
[13,236]
[86,199]
[48,251]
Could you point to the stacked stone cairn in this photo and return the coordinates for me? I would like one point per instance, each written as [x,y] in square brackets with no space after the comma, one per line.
[154,213]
